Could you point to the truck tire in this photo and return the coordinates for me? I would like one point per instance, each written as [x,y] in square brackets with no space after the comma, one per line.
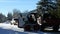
[55,27]
[36,27]
[42,27]
[27,28]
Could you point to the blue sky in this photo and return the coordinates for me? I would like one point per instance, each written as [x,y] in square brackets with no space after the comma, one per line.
[22,5]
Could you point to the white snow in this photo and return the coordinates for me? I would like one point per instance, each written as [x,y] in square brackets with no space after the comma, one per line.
[10,27]
[15,28]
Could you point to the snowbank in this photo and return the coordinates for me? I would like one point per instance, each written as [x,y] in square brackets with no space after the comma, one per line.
[10,27]
[14,28]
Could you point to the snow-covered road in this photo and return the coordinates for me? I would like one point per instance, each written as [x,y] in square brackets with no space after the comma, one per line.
[13,29]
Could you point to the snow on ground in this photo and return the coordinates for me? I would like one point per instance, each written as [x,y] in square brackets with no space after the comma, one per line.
[10,27]
[13,29]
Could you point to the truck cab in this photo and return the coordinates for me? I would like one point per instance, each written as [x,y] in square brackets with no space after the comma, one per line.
[31,24]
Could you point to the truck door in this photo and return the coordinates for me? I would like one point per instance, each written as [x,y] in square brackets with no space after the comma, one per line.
[21,22]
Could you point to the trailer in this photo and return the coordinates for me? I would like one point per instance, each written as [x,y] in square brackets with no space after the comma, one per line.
[49,20]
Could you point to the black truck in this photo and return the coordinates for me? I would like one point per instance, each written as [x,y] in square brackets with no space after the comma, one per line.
[48,20]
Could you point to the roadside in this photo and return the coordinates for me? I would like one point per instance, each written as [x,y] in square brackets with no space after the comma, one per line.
[10,27]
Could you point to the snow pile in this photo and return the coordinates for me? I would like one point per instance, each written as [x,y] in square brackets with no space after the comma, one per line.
[14,28]
[10,27]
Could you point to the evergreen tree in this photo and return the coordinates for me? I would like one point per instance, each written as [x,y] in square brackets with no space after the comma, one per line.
[16,13]
[9,16]
[2,18]
[58,2]
[47,6]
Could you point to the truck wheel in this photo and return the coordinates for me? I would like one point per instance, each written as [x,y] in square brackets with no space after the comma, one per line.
[27,28]
[55,27]
[42,28]
[36,27]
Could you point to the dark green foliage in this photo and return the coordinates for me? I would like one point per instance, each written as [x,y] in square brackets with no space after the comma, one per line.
[16,13]
[9,16]
[2,18]
[49,6]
